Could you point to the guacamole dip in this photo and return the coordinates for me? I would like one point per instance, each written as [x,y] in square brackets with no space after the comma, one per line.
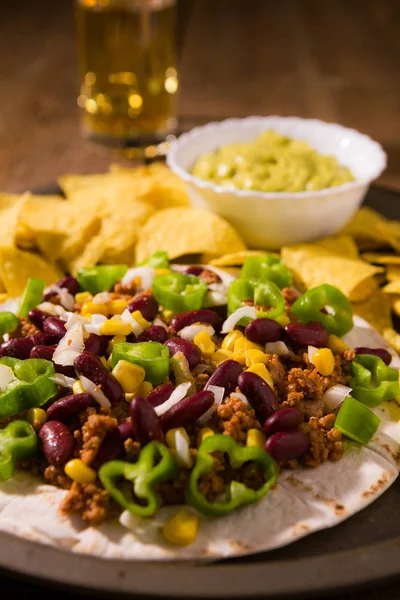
[271,163]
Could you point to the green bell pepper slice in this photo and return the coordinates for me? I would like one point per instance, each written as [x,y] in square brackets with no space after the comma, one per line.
[31,387]
[356,421]
[238,493]
[18,441]
[373,381]
[260,293]
[8,322]
[179,292]
[267,268]
[155,465]
[31,296]
[308,308]
[152,356]
[158,260]
[100,278]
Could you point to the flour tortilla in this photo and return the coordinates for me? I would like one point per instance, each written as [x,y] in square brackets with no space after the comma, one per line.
[304,501]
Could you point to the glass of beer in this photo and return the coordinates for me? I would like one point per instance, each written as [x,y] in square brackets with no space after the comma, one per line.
[128,71]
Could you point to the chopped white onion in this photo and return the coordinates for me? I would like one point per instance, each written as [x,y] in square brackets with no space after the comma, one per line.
[278,348]
[6,337]
[335,395]
[240,396]
[101,298]
[159,323]
[130,521]
[10,305]
[244,311]
[215,298]
[329,310]
[144,273]
[55,310]
[182,449]
[190,332]
[218,287]
[177,395]
[72,319]
[70,346]
[95,324]
[63,380]
[66,299]
[312,350]
[95,391]
[6,377]
[128,318]
[219,393]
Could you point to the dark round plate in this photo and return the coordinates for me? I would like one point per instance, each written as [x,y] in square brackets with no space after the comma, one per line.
[362,550]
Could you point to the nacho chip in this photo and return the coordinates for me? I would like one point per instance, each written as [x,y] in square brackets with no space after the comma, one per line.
[393,272]
[16,266]
[182,231]
[380,258]
[395,304]
[10,206]
[369,224]
[341,245]
[236,258]
[295,256]
[392,338]
[393,287]
[376,310]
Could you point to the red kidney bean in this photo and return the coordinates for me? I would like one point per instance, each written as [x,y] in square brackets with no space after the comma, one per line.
[17,348]
[194,270]
[226,375]
[67,407]
[111,447]
[283,419]
[311,334]
[262,331]
[37,317]
[46,352]
[145,422]
[42,339]
[54,327]
[70,283]
[97,344]
[190,317]
[380,352]
[192,353]
[126,430]
[90,366]
[286,445]
[155,333]
[146,304]
[160,394]
[58,443]
[259,394]
[187,411]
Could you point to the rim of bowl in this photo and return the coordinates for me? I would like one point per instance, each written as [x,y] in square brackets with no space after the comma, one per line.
[196,132]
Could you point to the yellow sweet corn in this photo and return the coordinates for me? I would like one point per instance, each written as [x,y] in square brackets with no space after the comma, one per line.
[144,388]
[115,327]
[105,362]
[241,346]
[91,308]
[229,340]
[181,529]
[83,297]
[254,356]
[337,345]
[170,436]
[255,437]
[36,417]
[130,376]
[139,318]
[324,361]
[204,343]
[79,472]
[117,307]
[166,315]
[115,340]
[203,433]
[219,356]
[261,370]
[78,388]
[283,320]
[161,271]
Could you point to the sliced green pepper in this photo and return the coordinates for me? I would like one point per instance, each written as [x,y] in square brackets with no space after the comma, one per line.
[158,260]
[373,381]
[18,441]
[238,493]
[152,356]
[31,296]
[8,322]
[32,386]
[308,308]
[267,268]
[356,421]
[178,292]
[260,293]
[155,465]
[100,278]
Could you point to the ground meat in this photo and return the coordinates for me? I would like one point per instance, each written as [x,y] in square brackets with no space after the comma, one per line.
[276,369]
[212,484]
[132,450]
[93,433]
[290,296]
[125,289]
[304,390]
[235,418]
[56,476]
[119,296]
[210,277]
[91,501]
[325,441]
[56,299]
[349,355]
[27,328]
[120,411]
[173,492]
[201,381]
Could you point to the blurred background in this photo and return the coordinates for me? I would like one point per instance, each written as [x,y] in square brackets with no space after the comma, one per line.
[337,60]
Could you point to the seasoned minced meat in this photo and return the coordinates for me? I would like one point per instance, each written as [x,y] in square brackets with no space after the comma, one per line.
[290,296]
[173,492]
[325,441]
[235,418]
[304,391]
[91,501]
[210,277]
[93,433]
[56,476]
[27,328]
[125,289]
[276,369]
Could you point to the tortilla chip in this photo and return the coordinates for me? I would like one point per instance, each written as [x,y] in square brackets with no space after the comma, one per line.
[376,310]
[369,224]
[16,266]
[395,304]
[295,256]
[393,272]
[392,338]
[237,258]
[393,287]
[341,245]
[182,231]
[10,206]
[380,258]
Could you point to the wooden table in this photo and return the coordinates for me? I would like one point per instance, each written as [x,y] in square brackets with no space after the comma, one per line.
[337,60]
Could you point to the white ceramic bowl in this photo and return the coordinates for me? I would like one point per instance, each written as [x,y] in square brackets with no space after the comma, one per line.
[270,220]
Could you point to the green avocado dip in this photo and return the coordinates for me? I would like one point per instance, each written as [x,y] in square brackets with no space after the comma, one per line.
[271,163]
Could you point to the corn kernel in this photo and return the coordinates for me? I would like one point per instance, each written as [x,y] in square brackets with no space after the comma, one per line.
[204,343]
[283,320]
[337,345]
[144,388]
[181,529]
[130,376]
[219,356]
[105,363]
[203,433]
[79,472]
[255,438]
[229,340]
[261,370]
[139,318]
[78,388]
[91,308]
[115,340]
[83,297]
[254,356]
[36,417]
[241,346]
[115,327]
[161,271]
[324,361]
[170,436]
[129,397]
[117,307]
[166,315]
